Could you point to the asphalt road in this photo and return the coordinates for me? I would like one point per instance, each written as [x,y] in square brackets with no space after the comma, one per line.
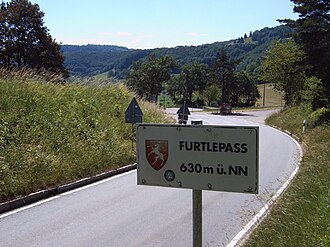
[117,212]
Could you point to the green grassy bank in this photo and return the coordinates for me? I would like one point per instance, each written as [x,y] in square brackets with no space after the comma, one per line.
[302,216]
[51,134]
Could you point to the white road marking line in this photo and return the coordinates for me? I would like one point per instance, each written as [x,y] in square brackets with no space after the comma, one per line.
[97,183]
[263,212]
[15,211]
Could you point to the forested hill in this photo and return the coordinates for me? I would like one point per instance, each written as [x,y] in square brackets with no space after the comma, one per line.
[90,60]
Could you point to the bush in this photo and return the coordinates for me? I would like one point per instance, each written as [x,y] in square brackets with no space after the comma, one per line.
[319,117]
[315,93]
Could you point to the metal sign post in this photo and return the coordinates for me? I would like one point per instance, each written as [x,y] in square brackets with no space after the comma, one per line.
[197,207]
[197,218]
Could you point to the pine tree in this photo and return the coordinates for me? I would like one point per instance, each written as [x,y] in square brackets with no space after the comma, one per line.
[223,71]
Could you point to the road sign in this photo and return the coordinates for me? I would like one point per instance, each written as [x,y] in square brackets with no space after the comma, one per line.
[133,113]
[221,158]
[183,113]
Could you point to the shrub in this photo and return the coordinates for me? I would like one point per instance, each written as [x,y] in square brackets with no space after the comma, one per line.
[318,117]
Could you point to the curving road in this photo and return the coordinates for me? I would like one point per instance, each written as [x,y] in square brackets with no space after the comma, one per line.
[117,212]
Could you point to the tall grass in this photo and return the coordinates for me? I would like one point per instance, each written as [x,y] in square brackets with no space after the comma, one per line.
[27,74]
[302,215]
[51,134]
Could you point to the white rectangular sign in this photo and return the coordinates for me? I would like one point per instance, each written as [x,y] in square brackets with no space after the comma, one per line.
[221,158]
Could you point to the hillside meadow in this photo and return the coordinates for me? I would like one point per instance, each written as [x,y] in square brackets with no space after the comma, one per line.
[269,97]
[51,134]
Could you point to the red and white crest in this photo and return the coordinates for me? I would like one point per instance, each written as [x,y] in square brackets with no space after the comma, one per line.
[156,153]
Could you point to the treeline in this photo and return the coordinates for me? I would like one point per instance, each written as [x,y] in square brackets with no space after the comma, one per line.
[95,59]
[197,83]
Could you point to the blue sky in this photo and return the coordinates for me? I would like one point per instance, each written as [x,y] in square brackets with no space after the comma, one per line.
[158,23]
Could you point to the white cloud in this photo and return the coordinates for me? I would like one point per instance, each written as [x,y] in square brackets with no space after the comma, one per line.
[106,34]
[123,34]
[195,34]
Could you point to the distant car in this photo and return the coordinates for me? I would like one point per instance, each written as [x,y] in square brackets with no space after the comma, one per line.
[225,109]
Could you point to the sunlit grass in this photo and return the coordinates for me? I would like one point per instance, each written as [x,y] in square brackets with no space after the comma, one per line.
[268,96]
[302,215]
[52,134]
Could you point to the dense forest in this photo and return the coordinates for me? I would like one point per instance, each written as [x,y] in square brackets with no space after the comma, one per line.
[90,60]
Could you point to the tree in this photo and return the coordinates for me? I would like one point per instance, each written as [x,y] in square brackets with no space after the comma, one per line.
[247,90]
[211,95]
[223,71]
[148,79]
[25,41]
[284,67]
[312,32]
[192,78]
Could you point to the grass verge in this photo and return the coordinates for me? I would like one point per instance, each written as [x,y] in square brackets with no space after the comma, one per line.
[51,134]
[302,216]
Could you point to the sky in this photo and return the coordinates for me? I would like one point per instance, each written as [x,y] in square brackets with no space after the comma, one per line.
[146,24]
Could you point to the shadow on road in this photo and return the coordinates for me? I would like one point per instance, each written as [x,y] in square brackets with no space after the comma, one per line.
[235,114]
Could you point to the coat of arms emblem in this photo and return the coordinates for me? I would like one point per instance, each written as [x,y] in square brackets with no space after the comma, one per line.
[156,153]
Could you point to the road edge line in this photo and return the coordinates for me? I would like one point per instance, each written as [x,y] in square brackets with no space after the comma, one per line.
[253,223]
[51,192]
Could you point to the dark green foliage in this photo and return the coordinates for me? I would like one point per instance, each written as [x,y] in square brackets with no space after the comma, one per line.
[312,32]
[25,41]
[91,60]
[315,92]
[284,66]
[192,78]
[246,92]
[223,74]
[95,59]
[148,79]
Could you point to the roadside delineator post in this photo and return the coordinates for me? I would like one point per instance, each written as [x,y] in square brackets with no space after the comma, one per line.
[304,126]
